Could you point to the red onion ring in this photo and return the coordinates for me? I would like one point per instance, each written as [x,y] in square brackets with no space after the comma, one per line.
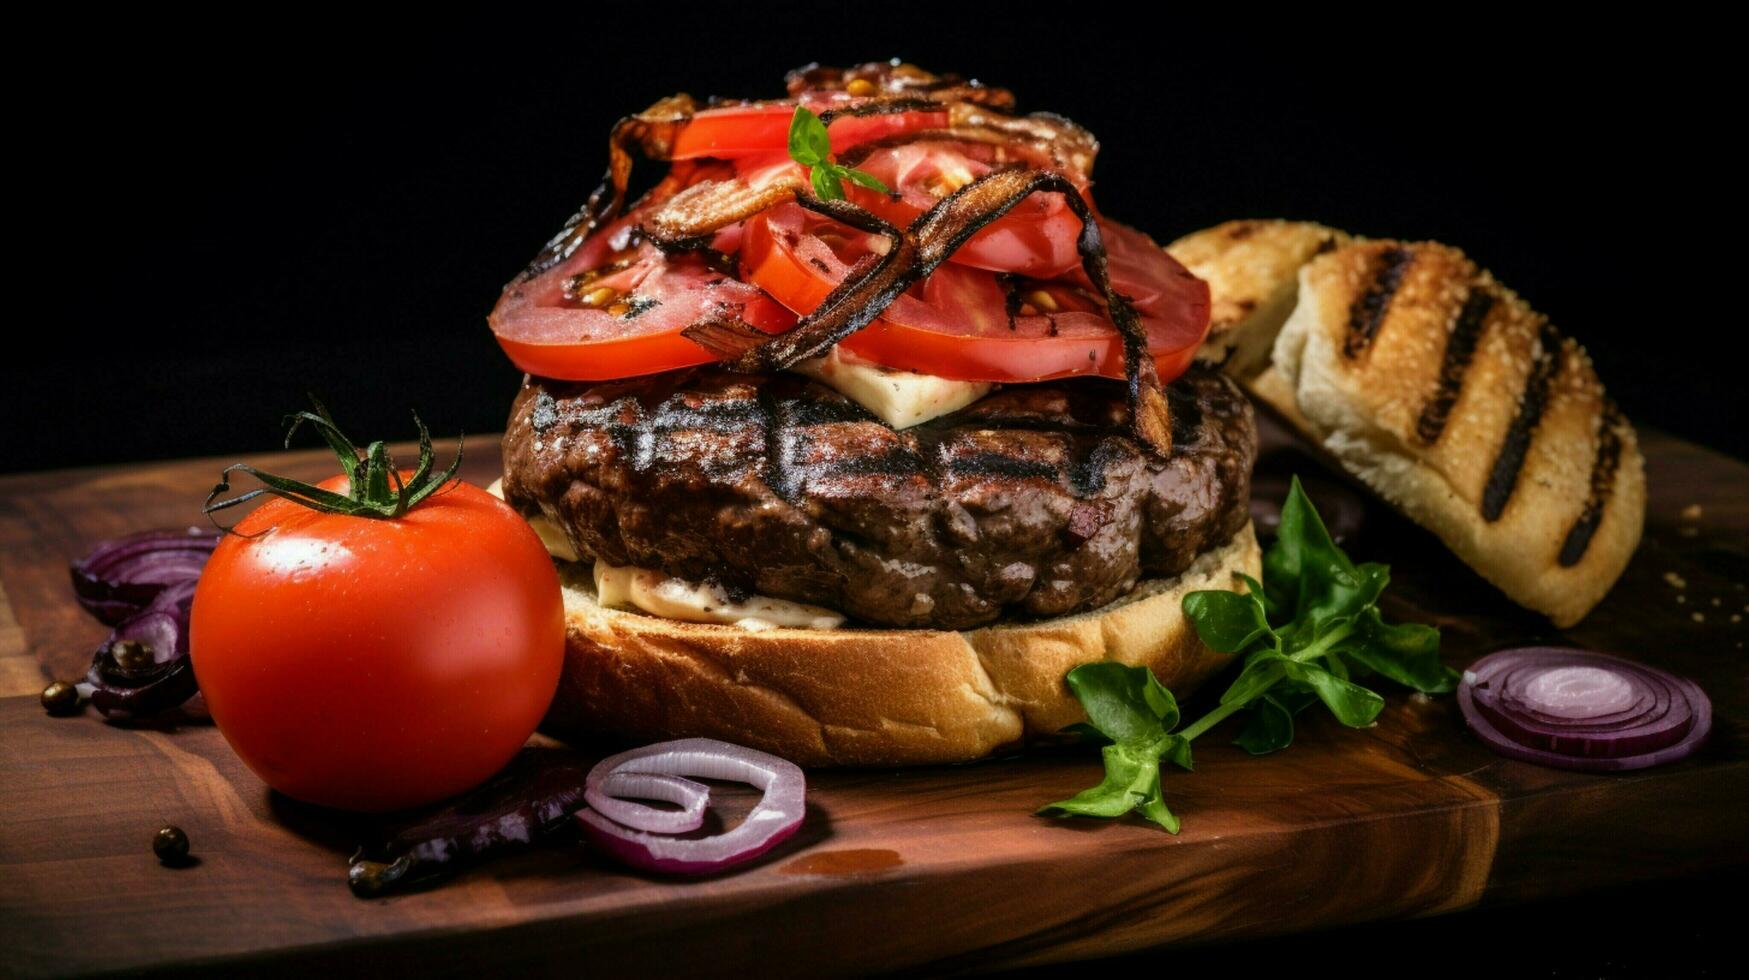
[121,690]
[776,817]
[612,793]
[1574,709]
[120,577]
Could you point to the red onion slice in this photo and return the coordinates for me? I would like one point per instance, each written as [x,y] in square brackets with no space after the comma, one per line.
[777,815]
[1574,709]
[120,577]
[612,794]
[166,679]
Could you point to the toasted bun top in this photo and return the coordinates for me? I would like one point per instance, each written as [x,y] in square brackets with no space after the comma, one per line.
[1252,268]
[1444,391]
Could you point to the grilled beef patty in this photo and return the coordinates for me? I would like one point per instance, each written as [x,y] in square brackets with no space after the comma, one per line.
[1034,501]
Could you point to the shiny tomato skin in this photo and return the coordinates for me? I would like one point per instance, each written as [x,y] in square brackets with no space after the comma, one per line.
[372,664]
[1037,237]
[732,131]
[954,324]
[546,336]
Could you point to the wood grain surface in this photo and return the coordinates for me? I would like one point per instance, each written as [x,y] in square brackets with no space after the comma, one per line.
[939,867]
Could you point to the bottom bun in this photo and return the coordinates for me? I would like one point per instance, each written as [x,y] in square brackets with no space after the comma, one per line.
[871,697]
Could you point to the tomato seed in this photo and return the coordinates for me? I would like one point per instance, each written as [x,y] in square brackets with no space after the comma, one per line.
[598,297]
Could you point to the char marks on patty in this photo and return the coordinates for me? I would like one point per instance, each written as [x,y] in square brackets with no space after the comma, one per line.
[1034,501]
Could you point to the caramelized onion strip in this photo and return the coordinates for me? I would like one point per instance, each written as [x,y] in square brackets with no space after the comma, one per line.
[711,205]
[652,133]
[726,335]
[1061,155]
[896,80]
[878,279]
[1069,144]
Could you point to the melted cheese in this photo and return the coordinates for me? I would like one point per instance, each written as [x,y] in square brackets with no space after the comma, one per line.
[899,398]
[618,587]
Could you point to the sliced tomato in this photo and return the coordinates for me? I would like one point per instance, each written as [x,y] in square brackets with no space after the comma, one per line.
[736,131]
[616,309]
[956,323]
[1036,238]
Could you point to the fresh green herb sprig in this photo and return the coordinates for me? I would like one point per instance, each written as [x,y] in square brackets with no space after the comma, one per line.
[375,487]
[1308,631]
[810,146]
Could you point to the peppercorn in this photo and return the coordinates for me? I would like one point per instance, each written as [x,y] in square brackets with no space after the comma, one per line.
[60,699]
[171,845]
[131,655]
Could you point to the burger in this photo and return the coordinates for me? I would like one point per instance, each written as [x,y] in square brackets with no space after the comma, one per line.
[863,426]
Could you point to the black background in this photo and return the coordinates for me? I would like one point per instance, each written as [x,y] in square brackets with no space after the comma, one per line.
[220,216]
[212,217]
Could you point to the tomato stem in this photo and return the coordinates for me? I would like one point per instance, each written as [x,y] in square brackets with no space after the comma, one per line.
[375,487]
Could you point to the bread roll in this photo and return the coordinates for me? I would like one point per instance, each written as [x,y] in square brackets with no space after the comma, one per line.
[871,697]
[1447,394]
[1252,268]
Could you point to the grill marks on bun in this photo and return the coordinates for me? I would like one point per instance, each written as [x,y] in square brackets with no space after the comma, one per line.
[1451,292]
[1603,470]
[1368,312]
[1442,389]
[1532,402]
[1460,349]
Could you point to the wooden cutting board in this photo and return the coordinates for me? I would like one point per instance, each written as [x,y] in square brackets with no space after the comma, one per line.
[943,867]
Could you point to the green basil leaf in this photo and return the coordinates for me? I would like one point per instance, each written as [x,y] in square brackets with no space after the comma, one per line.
[1308,578]
[867,180]
[1125,704]
[1305,632]
[1407,653]
[1353,705]
[1132,781]
[1330,601]
[1284,702]
[1254,587]
[1293,696]
[1301,544]
[809,144]
[1129,706]
[1334,663]
[826,185]
[1269,728]
[1177,752]
[1263,670]
[1227,621]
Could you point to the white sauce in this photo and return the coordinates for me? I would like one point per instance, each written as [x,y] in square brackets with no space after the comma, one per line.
[672,598]
[618,587]
[550,536]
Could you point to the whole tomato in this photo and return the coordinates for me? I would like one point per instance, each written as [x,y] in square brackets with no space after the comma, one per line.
[375,663]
